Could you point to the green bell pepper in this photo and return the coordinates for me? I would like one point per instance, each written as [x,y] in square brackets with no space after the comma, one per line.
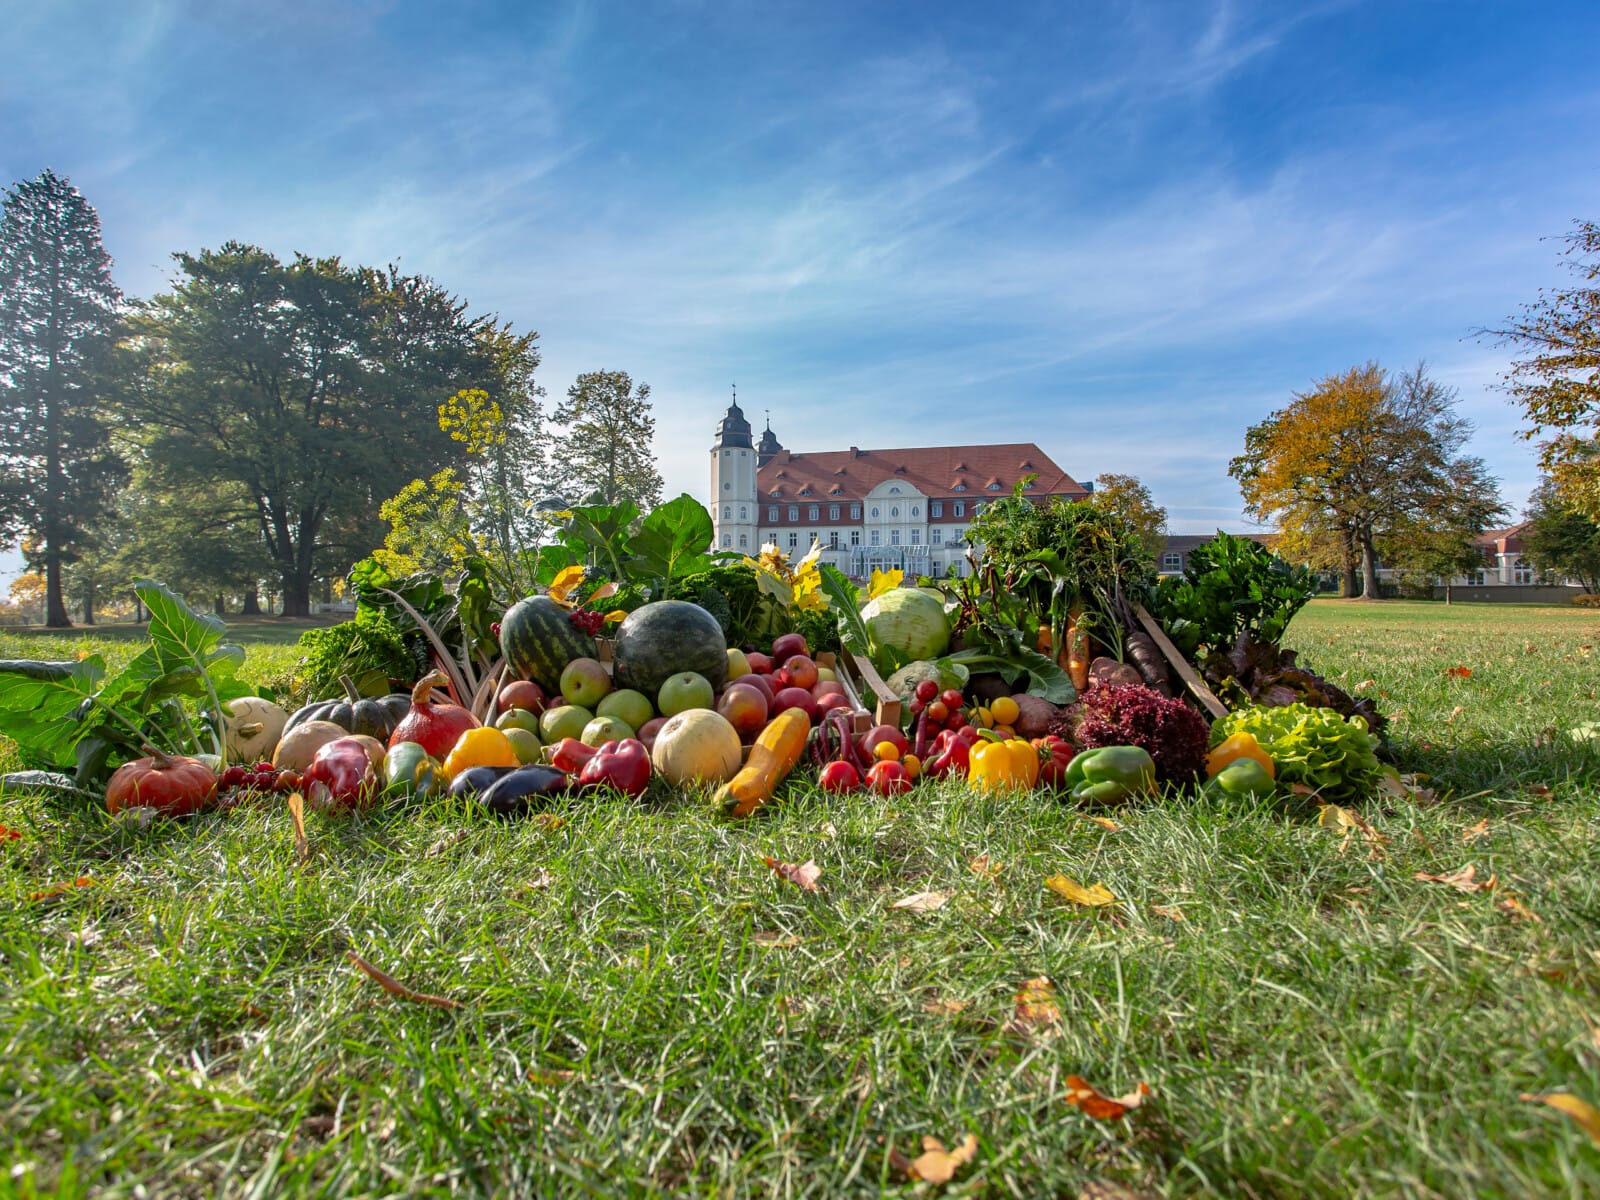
[1244,777]
[1110,774]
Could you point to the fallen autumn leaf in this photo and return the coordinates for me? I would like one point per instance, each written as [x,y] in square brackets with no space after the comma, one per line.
[804,876]
[935,1164]
[922,902]
[394,987]
[1097,896]
[1085,1096]
[1463,880]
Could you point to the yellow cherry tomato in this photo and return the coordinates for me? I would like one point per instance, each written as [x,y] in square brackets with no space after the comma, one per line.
[912,765]
[886,752]
[1005,710]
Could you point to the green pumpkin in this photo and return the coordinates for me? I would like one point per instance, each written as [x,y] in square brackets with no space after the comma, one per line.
[356,713]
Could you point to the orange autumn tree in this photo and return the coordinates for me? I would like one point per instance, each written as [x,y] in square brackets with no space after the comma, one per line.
[1359,460]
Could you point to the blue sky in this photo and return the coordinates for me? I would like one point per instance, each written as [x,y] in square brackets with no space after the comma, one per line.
[1124,231]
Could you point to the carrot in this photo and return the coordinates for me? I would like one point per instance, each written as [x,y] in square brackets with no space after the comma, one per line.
[1076,651]
[776,750]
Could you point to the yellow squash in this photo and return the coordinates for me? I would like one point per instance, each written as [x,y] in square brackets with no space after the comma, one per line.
[776,750]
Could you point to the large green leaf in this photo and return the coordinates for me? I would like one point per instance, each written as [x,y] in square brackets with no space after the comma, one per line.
[599,532]
[844,600]
[1045,678]
[671,542]
[39,702]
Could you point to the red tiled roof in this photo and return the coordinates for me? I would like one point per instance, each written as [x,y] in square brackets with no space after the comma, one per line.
[933,470]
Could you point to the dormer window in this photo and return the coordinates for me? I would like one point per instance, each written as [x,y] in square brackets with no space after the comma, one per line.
[994,487]
[805,491]
[960,487]
[1028,487]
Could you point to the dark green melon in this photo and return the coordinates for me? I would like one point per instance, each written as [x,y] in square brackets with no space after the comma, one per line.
[538,641]
[660,639]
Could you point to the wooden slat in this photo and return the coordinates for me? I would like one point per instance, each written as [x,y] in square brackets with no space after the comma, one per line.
[887,703]
[860,719]
[1197,686]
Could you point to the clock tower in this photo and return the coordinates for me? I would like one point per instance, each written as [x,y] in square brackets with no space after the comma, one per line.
[733,484]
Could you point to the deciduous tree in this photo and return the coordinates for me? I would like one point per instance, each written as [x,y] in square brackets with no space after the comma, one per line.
[1558,383]
[607,442]
[1130,499]
[1561,537]
[59,314]
[312,386]
[1362,457]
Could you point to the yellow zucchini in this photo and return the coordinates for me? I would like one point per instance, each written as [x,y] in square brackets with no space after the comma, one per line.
[773,755]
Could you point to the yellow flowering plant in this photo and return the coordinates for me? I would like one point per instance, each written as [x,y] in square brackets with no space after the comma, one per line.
[796,587]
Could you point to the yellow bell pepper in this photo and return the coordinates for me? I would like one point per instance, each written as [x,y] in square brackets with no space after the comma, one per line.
[1003,766]
[483,747]
[1240,745]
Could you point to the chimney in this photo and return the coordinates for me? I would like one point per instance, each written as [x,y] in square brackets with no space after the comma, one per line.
[854,453]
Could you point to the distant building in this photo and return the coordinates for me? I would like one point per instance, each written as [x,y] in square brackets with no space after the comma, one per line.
[870,509]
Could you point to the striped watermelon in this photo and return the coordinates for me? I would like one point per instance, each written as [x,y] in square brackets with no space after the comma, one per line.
[538,641]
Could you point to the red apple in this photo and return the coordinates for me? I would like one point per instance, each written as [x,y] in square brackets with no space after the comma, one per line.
[759,663]
[521,693]
[648,731]
[839,777]
[787,645]
[801,672]
[796,698]
[745,709]
[883,733]
[762,683]
[829,701]
[823,686]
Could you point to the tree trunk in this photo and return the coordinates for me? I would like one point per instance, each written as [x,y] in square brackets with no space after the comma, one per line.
[218,607]
[296,596]
[55,606]
[88,602]
[252,604]
[1369,570]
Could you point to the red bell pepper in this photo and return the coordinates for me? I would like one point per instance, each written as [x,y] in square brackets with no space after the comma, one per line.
[570,755]
[952,751]
[623,765]
[1054,756]
[341,776]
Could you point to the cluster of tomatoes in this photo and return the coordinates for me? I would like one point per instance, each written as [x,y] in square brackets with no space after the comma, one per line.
[261,778]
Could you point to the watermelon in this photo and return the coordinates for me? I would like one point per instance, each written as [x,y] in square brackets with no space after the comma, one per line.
[539,641]
[661,639]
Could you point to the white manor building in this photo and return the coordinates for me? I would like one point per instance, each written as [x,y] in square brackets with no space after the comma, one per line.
[907,508]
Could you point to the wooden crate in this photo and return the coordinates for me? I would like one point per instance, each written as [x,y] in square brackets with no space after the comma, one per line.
[861,719]
[870,687]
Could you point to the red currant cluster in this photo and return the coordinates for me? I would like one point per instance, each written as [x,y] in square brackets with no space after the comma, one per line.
[263,777]
[590,622]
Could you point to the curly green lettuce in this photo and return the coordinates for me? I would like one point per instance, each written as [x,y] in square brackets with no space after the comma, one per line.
[1334,756]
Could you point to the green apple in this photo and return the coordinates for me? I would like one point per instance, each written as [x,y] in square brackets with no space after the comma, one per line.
[518,718]
[525,743]
[738,664]
[606,729]
[684,691]
[585,682]
[564,722]
[825,673]
[631,707]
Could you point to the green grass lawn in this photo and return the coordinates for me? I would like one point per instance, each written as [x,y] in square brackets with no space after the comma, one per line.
[644,1006]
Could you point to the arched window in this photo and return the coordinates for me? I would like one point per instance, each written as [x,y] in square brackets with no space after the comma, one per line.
[727,541]
[744,541]
[727,511]
[741,512]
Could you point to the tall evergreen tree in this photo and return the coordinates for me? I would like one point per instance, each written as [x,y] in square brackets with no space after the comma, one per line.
[608,439]
[59,316]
